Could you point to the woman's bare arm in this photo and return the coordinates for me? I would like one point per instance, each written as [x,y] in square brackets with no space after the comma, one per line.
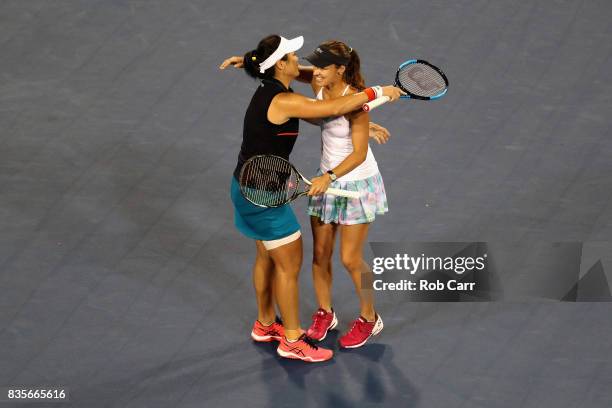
[288,105]
[305,74]
[359,133]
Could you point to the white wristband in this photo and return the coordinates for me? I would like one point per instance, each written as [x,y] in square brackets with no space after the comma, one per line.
[378,90]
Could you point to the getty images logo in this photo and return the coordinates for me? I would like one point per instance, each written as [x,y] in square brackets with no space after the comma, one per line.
[423,263]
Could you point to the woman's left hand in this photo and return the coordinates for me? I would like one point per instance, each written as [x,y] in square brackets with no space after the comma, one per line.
[379,133]
[319,185]
[236,61]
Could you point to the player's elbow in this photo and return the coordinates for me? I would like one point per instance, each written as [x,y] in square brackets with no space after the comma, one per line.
[360,155]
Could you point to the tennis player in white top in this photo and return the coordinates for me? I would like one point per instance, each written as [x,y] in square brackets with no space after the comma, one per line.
[346,162]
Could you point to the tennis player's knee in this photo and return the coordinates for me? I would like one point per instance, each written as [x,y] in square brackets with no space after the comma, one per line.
[322,254]
[288,272]
[352,261]
[287,260]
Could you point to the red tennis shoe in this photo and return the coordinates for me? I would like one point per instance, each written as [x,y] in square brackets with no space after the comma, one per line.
[360,332]
[303,349]
[273,332]
[322,322]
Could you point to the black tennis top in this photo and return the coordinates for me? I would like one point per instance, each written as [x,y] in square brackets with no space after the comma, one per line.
[259,135]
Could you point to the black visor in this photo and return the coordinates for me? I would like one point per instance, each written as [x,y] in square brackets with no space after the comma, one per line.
[322,57]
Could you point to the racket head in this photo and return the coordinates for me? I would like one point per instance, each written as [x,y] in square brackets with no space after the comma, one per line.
[269,181]
[421,80]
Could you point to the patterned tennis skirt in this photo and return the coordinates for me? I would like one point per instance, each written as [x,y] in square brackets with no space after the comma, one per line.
[342,210]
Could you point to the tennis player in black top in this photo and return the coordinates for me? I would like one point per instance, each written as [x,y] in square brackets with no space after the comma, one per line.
[271,126]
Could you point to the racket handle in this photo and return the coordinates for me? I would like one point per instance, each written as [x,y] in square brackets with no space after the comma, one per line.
[342,193]
[375,103]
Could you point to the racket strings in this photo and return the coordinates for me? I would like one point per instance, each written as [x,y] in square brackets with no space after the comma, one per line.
[421,79]
[269,181]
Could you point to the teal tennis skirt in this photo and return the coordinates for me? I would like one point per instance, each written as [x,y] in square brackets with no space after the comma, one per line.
[265,224]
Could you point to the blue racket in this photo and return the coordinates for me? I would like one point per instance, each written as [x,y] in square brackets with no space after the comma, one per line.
[419,79]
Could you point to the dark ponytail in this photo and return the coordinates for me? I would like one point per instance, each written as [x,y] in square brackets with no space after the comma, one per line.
[352,73]
[264,49]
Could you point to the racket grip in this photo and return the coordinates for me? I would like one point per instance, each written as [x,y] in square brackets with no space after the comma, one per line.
[375,103]
[342,193]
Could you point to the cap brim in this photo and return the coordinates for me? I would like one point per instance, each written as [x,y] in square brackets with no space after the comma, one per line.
[318,60]
[294,44]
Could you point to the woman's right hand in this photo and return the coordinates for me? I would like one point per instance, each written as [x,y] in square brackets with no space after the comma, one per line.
[392,92]
[236,62]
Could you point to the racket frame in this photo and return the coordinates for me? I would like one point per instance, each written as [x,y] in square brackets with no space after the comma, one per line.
[409,95]
[299,180]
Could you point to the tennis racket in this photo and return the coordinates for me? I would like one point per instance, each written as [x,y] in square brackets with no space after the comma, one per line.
[419,79]
[271,181]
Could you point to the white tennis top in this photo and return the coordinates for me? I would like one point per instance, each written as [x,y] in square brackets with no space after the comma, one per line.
[337,144]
